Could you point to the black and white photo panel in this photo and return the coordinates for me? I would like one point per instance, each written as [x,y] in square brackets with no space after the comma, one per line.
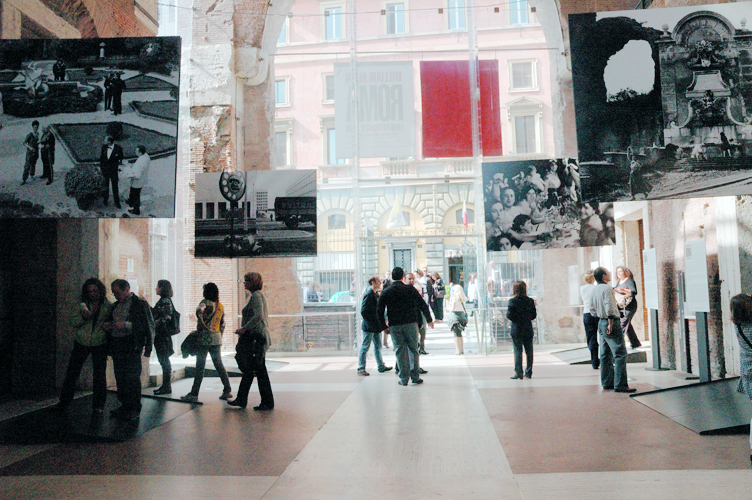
[535,204]
[261,213]
[88,127]
[663,102]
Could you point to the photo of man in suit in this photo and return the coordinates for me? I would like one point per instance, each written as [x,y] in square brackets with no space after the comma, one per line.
[31,143]
[109,161]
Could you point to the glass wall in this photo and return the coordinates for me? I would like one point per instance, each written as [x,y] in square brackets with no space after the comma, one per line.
[397,185]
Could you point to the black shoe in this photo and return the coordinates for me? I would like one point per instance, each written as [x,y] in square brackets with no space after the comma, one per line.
[402,382]
[238,403]
[133,211]
[126,414]
[422,351]
[262,408]
[163,390]
[422,371]
[419,381]
[528,376]
[608,387]
[60,406]
[385,369]
[516,377]
[628,390]
[49,182]
[118,206]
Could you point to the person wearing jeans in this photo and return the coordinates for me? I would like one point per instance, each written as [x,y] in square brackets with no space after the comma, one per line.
[371,328]
[211,324]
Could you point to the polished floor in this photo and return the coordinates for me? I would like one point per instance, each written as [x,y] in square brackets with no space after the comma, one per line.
[468,432]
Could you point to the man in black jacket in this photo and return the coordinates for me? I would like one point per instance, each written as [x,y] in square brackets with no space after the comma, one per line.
[402,303]
[109,161]
[371,328]
[130,330]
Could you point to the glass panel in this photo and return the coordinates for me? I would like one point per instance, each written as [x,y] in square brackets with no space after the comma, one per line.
[522,75]
[329,88]
[199,211]
[395,19]
[524,128]
[518,12]
[456,14]
[333,18]
[280,91]
[280,140]
[283,34]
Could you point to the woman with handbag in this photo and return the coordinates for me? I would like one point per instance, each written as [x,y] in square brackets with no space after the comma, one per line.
[457,316]
[166,324]
[211,324]
[741,315]
[521,312]
[253,342]
[625,292]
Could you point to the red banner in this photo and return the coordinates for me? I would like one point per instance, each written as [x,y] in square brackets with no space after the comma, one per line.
[447,123]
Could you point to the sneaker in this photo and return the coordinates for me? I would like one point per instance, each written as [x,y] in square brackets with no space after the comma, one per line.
[363,373]
[419,381]
[422,371]
[402,382]
[226,395]
[384,369]
[191,398]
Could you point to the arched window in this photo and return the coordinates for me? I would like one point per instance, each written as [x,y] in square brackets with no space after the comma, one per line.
[337,221]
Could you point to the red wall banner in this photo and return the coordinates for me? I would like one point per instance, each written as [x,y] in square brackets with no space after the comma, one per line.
[445,96]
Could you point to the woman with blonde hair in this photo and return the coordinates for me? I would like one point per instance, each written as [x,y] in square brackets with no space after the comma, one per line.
[253,342]
[625,292]
[521,312]
[457,316]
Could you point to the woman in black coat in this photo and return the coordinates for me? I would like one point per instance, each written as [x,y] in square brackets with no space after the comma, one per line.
[521,312]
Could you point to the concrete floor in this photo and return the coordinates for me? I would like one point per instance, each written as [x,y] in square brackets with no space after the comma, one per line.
[467,432]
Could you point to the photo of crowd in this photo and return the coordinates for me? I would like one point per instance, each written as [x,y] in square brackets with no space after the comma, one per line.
[537,204]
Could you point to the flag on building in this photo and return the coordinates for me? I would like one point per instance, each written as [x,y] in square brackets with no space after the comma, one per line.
[396,217]
[464,214]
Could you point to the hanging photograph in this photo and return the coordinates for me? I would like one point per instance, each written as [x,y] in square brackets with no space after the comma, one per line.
[535,204]
[88,127]
[265,213]
[663,102]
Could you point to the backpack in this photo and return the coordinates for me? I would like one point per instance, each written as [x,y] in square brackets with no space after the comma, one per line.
[175,321]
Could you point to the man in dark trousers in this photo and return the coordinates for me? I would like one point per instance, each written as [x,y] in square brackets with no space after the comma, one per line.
[371,327]
[118,85]
[108,91]
[58,71]
[31,143]
[402,303]
[130,330]
[109,161]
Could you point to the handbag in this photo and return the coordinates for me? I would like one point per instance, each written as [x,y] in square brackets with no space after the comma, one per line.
[739,331]
[189,347]
[622,301]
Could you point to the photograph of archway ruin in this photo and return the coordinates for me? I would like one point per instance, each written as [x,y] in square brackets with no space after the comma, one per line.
[663,102]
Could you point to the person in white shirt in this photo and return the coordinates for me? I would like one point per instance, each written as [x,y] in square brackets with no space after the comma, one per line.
[591,323]
[613,353]
[138,174]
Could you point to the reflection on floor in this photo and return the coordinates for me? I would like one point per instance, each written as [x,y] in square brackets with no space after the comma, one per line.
[468,432]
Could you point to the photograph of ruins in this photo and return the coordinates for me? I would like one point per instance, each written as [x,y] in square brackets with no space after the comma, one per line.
[663,102]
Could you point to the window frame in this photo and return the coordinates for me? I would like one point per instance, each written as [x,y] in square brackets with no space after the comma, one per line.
[385,18]
[514,14]
[449,9]
[285,31]
[283,126]
[324,99]
[326,6]
[534,70]
[525,106]
[286,102]
[327,124]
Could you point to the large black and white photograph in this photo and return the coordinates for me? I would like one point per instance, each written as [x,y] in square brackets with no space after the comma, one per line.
[88,127]
[663,102]
[537,204]
[263,213]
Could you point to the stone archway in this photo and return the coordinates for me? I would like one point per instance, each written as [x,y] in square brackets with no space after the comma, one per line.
[593,43]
